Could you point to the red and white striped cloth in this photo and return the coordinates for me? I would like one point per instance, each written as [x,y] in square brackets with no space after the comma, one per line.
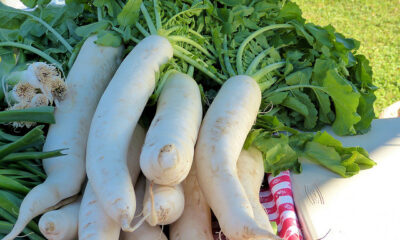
[278,203]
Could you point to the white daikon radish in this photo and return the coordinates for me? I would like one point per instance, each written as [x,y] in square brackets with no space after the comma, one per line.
[195,222]
[167,154]
[221,138]
[61,224]
[163,205]
[144,231]
[251,174]
[113,123]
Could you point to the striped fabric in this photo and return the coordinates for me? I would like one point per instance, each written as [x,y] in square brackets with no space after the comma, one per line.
[278,203]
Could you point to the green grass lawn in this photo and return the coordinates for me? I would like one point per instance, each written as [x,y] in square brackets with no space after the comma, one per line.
[376,24]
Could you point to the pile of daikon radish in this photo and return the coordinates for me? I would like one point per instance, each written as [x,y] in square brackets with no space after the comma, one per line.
[136,179]
[188,164]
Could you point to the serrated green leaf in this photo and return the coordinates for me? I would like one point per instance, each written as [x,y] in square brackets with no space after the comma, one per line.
[130,13]
[325,113]
[321,35]
[346,103]
[291,11]
[296,105]
[366,111]
[310,120]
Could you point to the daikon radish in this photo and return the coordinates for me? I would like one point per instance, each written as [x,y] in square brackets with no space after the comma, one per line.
[195,222]
[221,138]
[167,154]
[61,224]
[251,174]
[144,231]
[113,123]
[163,205]
[87,79]
[94,223]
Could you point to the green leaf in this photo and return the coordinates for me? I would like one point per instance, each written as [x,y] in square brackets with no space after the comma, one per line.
[345,100]
[9,202]
[272,124]
[311,118]
[10,20]
[31,155]
[276,98]
[43,114]
[86,30]
[366,111]
[363,72]
[7,216]
[130,13]
[251,137]
[296,105]
[298,141]
[321,35]
[299,77]
[326,139]
[108,38]
[348,43]
[31,137]
[7,183]
[325,113]
[346,103]
[112,6]
[327,151]
[291,11]
[325,156]
[278,155]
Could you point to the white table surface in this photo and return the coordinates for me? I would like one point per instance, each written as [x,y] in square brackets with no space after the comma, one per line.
[365,206]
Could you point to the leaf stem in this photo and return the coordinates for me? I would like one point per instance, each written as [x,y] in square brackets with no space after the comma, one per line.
[295,87]
[260,73]
[99,14]
[32,49]
[239,64]
[190,71]
[226,58]
[157,14]
[31,155]
[257,60]
[142,30]
[177,38]
[178,53]
[147,18]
